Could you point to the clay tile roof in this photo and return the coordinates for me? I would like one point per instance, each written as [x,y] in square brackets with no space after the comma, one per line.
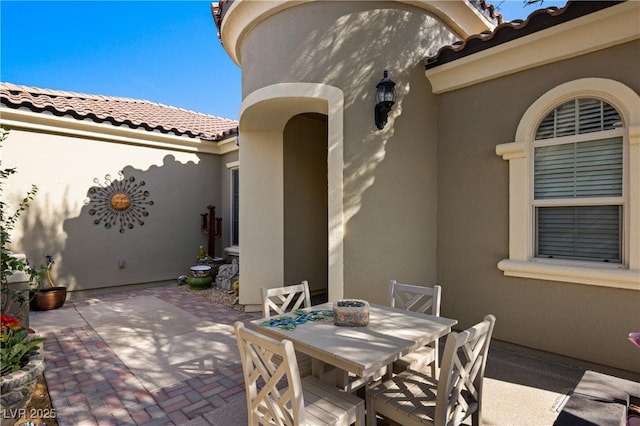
[538,20]
[135,113]
[487,10]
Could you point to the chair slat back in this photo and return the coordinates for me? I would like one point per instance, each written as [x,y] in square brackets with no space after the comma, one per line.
[285,299]
[272,381]
[415,298]
[462,373]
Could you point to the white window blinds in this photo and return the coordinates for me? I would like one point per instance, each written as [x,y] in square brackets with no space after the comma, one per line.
[580,233]
[572,173]
[577,117]
[579,169]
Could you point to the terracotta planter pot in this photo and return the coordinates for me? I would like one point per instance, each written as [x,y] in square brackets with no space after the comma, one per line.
[48,298]
[18,387]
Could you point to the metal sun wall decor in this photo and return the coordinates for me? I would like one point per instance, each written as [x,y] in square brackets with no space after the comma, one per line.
[118,202]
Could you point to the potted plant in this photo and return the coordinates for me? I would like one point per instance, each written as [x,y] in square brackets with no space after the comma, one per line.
[43,298]
[21,365]
[13,294]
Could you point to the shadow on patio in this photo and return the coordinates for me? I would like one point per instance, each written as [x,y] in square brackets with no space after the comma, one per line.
[166,356]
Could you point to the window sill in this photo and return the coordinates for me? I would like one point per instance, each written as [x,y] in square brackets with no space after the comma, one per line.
[232,251]
[590,275]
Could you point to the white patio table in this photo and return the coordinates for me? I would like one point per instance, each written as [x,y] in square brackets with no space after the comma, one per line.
[362,351]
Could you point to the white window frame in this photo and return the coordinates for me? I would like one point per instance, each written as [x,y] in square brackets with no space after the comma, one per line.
[234,249]
[522,261]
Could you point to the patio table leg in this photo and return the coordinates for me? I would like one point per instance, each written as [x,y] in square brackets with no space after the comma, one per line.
[317,368]
[342,380]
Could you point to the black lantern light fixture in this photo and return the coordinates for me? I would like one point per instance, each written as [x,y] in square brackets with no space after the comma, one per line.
[385,98]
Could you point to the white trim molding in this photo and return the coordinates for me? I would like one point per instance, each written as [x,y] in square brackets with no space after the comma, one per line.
[232,251]
[47,123]
[614,25]
[521,261]
[605,277]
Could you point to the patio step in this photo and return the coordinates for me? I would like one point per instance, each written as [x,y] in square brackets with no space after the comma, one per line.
[599,399]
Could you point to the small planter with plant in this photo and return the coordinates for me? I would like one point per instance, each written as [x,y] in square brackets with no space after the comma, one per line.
[13,296]
[20,368]
[21,364]
[44,297]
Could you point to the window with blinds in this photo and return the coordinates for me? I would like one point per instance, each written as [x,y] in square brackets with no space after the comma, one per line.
[577,117]
[578,183]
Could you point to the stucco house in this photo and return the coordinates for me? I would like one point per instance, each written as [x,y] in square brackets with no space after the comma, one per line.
[455,189]
[122,185]
[508,171]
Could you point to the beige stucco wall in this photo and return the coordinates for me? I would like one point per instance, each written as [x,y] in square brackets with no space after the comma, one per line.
[426,200]
[390,175]
[581,321]
[181,185]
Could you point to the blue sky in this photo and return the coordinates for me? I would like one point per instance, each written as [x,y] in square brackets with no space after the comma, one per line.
[161,51]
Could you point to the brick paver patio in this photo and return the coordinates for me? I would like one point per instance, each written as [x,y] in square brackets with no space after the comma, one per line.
[90,384]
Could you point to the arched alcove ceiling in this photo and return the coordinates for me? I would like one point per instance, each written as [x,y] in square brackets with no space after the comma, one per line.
[274,113]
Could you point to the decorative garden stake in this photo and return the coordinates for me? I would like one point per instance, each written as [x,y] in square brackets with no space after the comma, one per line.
[212,226]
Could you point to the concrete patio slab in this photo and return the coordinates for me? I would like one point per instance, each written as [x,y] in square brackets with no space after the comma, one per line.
[94,308]
[136,330]
[601,400]
[51,321]
[517,385]
[163,361]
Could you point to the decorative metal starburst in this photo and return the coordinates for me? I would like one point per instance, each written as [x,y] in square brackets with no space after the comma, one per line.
[118,202]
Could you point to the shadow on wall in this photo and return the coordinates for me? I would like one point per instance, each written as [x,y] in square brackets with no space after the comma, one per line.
[41,236]
[145,242]
[352,54]
[349,48]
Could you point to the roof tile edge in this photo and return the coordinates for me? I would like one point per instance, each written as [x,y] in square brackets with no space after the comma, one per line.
[135,113]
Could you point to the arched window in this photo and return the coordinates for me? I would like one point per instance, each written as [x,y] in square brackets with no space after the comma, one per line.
[574,190]
[578,195]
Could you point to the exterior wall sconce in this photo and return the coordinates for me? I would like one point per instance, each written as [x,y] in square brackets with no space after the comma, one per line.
[385,98]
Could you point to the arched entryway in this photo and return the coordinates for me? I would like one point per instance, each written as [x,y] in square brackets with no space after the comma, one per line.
[271,119]
[306,245]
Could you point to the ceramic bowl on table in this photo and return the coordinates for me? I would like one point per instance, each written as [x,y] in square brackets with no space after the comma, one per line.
[351,313]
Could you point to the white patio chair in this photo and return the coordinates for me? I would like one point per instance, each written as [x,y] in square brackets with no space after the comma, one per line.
[417,299]
[412,398]
[276,395]
[285,299]
[278,300]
